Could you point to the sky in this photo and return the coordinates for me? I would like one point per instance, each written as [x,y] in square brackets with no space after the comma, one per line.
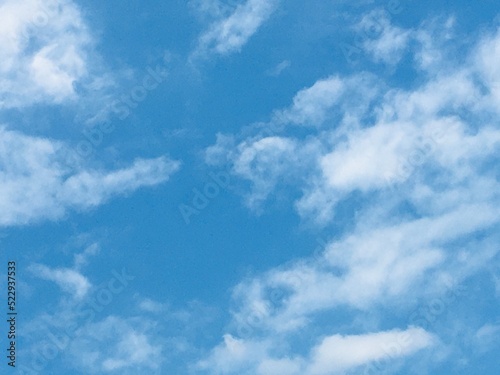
[251,187]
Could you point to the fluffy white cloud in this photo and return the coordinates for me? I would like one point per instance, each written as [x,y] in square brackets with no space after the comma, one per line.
[406,133]
[37,183]
[46,49]
[417,168]
[311,105]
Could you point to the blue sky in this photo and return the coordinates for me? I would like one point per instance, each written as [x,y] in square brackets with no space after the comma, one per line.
[251,186]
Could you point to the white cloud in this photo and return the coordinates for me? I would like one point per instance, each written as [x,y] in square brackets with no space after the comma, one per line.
[315,106]
[433,39]
[82,259]
[132,350]
[46,49]
[371,138]
[487,55]
[280,68]
[337,354]
[488,332]
[116,344]
[86,336]
[69,280]
[151,306]
[234,356]
[369,157]
[311,105]
[334,354]
[367,270]
[389,43]
[37,183]
[373,265]
[261,161]
[229,34]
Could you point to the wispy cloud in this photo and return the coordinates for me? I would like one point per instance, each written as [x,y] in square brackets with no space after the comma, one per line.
[389,42]
[334,354]
[337,354]
[230,33]
[69,280]
[36,182]
[280,68]
[125,346]
[81,259]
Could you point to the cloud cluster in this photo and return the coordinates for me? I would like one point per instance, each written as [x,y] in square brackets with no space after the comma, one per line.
[75,330]
[418,168]
[367,137]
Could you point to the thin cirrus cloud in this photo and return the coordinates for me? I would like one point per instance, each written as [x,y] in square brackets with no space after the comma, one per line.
[69,280]
[37,184]
[112,344]
[85,331]
[432,148]
[94,343]
[229,34]
[126,346]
